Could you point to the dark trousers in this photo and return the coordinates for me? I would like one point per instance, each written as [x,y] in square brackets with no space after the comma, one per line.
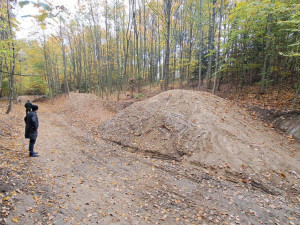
[31,145]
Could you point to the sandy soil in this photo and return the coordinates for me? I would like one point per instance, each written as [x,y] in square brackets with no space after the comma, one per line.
[81,179]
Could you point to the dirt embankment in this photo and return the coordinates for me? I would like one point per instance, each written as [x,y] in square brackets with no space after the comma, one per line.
[285,121]
[200,129]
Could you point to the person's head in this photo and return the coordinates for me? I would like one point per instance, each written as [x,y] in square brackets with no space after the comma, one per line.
[35,108]
[28,101]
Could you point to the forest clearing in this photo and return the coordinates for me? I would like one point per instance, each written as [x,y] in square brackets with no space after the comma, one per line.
[92,170]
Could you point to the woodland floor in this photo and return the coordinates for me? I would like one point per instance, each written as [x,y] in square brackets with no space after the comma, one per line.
[81,179]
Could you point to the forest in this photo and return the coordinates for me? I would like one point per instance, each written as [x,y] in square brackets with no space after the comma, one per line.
[107,47]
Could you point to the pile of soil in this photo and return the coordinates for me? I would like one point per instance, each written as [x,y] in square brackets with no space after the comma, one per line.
[201,129]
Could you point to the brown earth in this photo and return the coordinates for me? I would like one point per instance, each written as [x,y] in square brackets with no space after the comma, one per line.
[287,121]
[81,178]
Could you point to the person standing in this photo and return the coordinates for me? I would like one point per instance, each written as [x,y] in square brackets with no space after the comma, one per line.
[28,106]
[31,129]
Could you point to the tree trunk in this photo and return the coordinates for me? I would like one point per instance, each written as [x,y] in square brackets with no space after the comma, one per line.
[117,42]
[297,92]
[97,36]
[190,51]
[126,48]
[200,45]
[64,62]
[136,37]
[12,61]
[211,45]
[181,37]
[84,62]
[218,63]
[145,39]
[107,48]
[267,56]
[48,71]
[1,76]
[152,60]
[159,52]
[167,9]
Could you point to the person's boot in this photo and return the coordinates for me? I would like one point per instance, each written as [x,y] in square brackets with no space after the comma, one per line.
[33,154]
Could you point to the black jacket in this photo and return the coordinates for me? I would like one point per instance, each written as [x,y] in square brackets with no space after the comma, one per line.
[32,125]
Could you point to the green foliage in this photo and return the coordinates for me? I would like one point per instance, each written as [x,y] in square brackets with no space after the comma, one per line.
[42,17]
[248,38]
[5,39]
[38,4]
[140,96]
[44,6]
[45,11]
[82,88]
[36,86]
[23,3]
[266,82]
[91,46]
[5,87]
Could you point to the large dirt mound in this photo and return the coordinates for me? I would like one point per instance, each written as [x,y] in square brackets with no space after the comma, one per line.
[204,130]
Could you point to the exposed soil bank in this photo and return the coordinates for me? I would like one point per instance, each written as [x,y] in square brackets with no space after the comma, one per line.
[286,121]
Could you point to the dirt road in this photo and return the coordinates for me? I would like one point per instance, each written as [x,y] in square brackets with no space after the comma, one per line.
[80,179]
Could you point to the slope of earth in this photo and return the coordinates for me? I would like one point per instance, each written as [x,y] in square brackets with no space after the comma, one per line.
[81,179]
[286,121]
[204,130]
[289,124]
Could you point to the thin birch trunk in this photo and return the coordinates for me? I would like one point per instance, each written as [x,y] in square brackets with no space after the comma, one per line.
[211,45]
[267,56]
[64,62]
[200,45]
[218,63]
[12,61]
[167,8]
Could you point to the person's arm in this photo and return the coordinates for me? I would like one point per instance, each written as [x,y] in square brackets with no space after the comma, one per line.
[35,123]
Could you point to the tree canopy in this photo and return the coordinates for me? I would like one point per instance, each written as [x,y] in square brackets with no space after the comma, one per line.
[107,45]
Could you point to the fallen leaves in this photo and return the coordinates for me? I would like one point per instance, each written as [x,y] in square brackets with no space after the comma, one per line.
[6,199]
[15,219]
